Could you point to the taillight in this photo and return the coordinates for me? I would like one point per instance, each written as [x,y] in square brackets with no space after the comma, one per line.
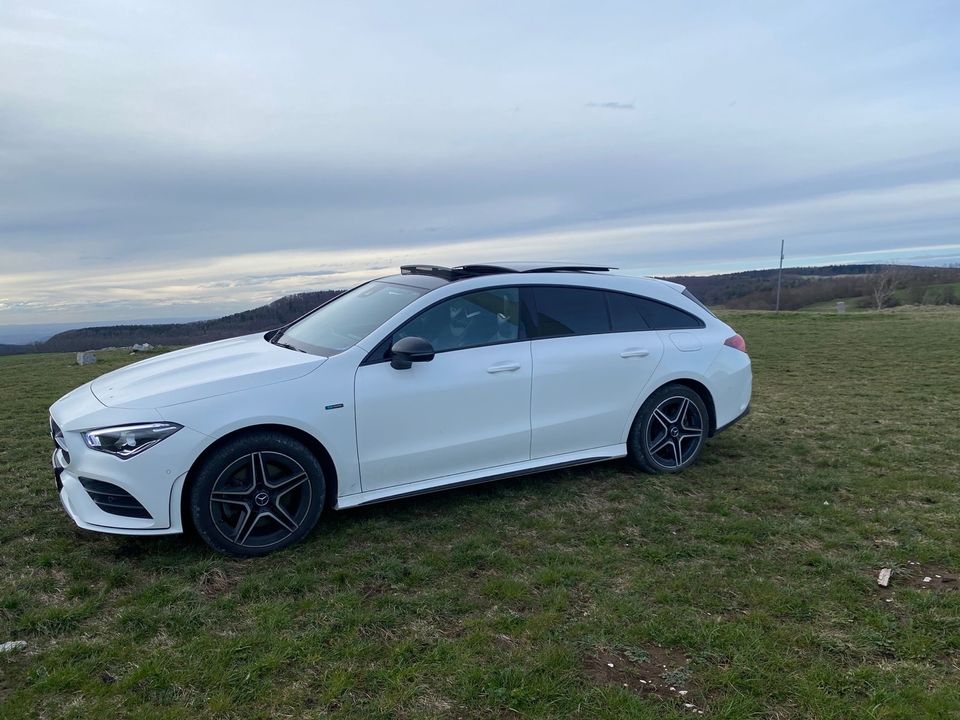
[736,342]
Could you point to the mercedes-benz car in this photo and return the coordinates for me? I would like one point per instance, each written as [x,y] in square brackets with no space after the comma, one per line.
[428,379]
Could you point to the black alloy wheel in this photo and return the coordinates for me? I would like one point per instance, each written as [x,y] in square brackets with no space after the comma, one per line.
[670,430]
[256,494]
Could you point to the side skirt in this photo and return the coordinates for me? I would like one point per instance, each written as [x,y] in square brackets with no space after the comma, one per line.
[450,482]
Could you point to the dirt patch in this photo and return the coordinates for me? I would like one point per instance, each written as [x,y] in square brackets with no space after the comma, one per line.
[215,582]
[931,578]
[918,577]
[651,670]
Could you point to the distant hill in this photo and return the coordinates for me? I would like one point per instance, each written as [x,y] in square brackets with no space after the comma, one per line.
[750,290]
[804,286]
[260,319]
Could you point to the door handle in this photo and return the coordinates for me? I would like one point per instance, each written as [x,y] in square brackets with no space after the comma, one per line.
[503,367]
[634,352]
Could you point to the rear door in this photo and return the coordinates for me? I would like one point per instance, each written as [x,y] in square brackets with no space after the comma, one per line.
[592,356]
[467,409]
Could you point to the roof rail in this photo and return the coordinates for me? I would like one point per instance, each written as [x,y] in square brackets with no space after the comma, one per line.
[466,271]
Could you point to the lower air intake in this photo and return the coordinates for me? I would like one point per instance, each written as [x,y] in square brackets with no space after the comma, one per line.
[114,500]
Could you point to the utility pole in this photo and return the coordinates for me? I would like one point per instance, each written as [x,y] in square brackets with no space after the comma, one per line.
[780,276]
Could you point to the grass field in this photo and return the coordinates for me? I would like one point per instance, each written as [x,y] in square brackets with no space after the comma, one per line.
[748,582]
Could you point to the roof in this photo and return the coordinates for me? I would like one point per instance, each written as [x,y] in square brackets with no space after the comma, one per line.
[466,271]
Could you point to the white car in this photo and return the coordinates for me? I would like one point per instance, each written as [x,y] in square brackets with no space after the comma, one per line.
[430,379]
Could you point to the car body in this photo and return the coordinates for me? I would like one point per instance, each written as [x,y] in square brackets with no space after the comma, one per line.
[429,379]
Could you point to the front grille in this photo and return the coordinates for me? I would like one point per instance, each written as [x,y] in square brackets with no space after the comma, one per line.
[57,434]
[114,500]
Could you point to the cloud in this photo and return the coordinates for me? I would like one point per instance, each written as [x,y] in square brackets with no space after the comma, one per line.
[214,155]
[613,105]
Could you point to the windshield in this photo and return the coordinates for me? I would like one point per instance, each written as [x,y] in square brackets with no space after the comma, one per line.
[348,318]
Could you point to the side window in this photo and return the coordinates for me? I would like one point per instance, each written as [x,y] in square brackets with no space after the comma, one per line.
[486,317]
[626,313]
[570,311]
[631,313]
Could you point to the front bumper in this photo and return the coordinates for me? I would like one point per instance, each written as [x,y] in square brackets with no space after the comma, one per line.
[136,496]
[81,508]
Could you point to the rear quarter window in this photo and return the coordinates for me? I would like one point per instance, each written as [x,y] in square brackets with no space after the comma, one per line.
[630,313]
[690,296]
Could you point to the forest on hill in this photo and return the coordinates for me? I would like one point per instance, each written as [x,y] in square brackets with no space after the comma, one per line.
[805,286]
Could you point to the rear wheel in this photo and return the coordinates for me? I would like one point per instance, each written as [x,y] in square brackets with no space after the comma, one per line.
[670,430]
[257,493]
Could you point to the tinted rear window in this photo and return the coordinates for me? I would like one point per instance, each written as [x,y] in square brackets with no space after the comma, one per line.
[570,311]
[690,296]
[631,313]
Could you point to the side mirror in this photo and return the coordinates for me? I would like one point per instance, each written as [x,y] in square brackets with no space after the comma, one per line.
[409,350]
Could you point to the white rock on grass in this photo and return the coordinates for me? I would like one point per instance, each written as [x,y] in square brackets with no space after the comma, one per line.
[883,579]
[88,357]
[13,646]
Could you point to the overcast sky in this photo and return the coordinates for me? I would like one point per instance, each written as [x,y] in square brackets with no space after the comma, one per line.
[188,158]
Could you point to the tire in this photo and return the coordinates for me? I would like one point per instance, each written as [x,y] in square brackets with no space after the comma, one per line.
[256,494]
[669,431]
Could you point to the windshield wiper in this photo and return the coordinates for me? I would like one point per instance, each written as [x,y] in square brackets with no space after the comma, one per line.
[288,346]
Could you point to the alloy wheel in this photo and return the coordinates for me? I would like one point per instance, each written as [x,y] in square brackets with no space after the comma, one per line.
[260,499]
[674,432]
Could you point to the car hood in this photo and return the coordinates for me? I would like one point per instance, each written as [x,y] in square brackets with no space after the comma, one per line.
[203,371]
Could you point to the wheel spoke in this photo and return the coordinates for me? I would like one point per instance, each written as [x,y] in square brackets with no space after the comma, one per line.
[257,470]
[678,452]
[681,412]
[230,498]
[694,417]
[662,444]
[662,419]
[282,517]
[246,525]
[285,485]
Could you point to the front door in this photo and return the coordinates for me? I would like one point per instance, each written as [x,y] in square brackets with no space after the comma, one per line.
[467,409]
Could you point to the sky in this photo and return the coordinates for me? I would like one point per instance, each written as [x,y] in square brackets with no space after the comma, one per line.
[171,159]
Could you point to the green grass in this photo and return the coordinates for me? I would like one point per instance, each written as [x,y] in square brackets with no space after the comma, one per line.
[750,576]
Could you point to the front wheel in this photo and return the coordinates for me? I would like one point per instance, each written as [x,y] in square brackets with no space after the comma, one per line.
[257,493]
[670,430]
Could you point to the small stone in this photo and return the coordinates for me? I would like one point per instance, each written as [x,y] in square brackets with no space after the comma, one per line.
[689,705]
[89,357]
[672,687]
[825,502]
[883,579]
[927,579]
[684,692]
[644,682]
[13,646]
[889,600]
[610,665]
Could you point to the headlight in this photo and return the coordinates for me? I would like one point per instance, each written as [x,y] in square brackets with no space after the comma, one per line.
[126,441]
